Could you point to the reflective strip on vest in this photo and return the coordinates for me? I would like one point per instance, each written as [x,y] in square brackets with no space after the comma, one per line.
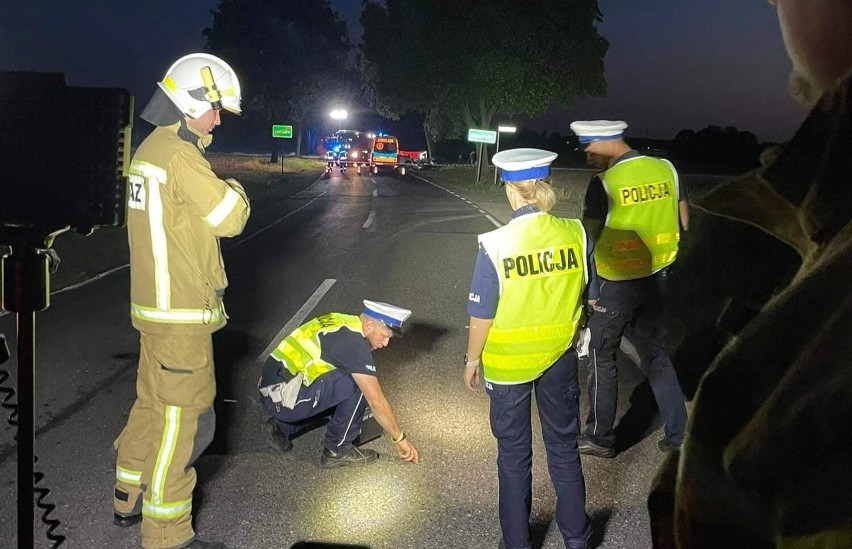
[128,476]
[637,264]
[301,351]
[156,176]
[224,208]
[642,230]
[170,510]
[636,243]
[176,316]
[541,265]
[169,441]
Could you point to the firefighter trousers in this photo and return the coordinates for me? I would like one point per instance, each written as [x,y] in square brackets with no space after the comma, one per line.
[170,425]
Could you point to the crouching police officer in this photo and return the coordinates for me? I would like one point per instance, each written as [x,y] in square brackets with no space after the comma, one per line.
[328,363]
[525,304]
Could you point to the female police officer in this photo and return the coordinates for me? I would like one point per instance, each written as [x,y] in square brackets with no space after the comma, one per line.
[525,304]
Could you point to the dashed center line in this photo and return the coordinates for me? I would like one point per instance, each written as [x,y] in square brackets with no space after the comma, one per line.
[370,219]
[480,210]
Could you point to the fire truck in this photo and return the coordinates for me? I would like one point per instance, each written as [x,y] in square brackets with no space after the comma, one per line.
[354,149]
[347,149]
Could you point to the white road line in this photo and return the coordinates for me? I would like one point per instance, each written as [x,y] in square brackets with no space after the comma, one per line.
[298,318]
[228,247]
[276,222]
[487,216]
[79,284]
[375,193]
[370,219]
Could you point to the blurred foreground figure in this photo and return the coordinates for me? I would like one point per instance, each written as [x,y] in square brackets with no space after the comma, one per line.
[766,461]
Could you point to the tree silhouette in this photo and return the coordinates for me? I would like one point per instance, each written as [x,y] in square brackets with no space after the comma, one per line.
[284,52]
[461,63]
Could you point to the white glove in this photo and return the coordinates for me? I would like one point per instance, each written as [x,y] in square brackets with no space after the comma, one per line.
[583,338]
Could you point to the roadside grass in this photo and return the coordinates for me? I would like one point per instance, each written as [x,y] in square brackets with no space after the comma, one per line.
[257,174]
[569,185]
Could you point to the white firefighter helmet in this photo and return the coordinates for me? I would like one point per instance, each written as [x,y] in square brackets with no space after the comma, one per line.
[199,82]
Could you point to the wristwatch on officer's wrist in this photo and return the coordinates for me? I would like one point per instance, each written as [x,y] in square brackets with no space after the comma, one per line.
[470,363]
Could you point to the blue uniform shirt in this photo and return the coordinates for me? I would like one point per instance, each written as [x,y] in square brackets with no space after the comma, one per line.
[485,287]
[344,349]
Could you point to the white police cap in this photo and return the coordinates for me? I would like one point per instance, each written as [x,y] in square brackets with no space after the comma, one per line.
[390,315]
[523,164]
[598,130]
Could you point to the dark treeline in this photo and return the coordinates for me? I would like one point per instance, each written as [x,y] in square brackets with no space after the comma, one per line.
[713,149]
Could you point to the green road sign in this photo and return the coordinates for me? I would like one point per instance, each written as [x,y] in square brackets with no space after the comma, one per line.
[481,136]
[282,131]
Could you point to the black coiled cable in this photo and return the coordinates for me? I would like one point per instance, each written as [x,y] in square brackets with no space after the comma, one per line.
[41,493]
[7,396]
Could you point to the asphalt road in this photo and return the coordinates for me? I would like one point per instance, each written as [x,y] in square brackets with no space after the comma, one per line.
[342,239]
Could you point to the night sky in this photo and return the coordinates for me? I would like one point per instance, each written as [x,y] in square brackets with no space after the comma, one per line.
[670,66]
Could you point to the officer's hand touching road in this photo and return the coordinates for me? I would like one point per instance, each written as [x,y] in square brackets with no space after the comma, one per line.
[406,450]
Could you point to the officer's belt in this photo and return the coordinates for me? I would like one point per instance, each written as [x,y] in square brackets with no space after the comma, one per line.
[285,376]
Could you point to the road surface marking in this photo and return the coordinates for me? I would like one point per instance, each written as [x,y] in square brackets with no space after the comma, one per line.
[225,248]
[274,223]
[298,318]
[370,219]
[487,215]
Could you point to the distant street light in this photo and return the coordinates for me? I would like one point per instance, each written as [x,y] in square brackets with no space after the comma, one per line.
[501,129]
[340,115]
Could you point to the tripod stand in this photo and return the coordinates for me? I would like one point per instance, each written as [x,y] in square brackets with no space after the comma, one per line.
[26,290]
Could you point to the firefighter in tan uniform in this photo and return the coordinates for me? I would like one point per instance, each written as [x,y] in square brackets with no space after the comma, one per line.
[178,209]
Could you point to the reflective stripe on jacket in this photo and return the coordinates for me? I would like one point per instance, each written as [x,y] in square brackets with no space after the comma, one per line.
[642,228]
[177,209]
[301,350]
[541,265]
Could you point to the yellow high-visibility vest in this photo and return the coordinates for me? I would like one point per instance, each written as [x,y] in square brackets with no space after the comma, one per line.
[541,265]
[642,228]
[301,350]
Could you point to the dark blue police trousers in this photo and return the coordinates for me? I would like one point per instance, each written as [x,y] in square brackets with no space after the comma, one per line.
[557,394]
[333,389]
[635,308]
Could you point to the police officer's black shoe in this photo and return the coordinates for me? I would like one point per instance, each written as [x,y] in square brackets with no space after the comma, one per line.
[198,544]
[355,456]
[589,448]
[126,521]
[279,441]
[667,446]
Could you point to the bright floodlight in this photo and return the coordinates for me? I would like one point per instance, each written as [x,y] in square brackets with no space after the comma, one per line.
[338,114]
[506,129]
